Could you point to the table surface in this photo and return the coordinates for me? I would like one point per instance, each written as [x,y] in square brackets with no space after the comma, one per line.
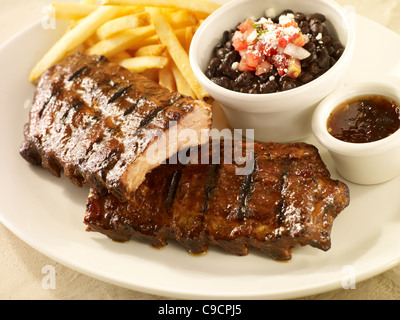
[21,269]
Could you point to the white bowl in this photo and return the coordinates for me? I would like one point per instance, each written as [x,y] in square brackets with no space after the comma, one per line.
[284,116]
[361,163]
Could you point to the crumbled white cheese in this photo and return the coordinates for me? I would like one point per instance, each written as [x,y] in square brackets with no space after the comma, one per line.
[235,65]
[283,19]
[271,78]
[319,36]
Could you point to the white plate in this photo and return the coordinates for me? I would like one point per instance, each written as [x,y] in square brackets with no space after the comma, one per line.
[47,212]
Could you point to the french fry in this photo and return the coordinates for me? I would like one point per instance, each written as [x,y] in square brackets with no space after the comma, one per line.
[181,18]
[123,23]
[182,86]
[166,78]
[188,38]
[128,39]
[201,6]
[88,1]
[73,11]
[141,64]
[151,37]
[176,51]
[74,38]
[151,50]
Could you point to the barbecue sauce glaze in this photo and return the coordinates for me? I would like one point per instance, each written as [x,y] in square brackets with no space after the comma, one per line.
[364,119]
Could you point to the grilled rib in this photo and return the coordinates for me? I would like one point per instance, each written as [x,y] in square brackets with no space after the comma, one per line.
[288,199]
[102,124]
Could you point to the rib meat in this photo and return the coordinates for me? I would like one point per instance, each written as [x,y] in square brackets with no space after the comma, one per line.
[102,124]
[288,199]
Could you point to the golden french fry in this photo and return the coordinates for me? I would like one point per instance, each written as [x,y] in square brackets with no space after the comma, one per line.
[176,51]
[188,38]
[74,38]
[201,6]
[140,64]
[181,18]
[73,11]
[120,56]
[88,1]
[151,50]
[182,86]
[166,78]
[123,23]
[128,39]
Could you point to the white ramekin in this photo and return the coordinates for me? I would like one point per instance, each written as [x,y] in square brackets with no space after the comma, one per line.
[361,163]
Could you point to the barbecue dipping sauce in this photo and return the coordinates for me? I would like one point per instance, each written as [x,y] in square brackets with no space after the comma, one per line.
[364,119]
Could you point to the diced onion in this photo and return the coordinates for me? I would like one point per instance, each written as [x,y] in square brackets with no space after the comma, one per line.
[296,51]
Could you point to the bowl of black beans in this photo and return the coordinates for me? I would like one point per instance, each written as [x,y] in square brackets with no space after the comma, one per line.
[269,63]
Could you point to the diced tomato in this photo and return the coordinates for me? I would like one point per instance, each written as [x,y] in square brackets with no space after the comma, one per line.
[263,67]
[244,26]
[253,59]
[292,23]
[239,44]
[280,63]
[283,42]
[269,51]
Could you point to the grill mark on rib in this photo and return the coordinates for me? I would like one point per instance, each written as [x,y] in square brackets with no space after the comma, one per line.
[247,190]
[54,93]
[134,106]
[211,184]
[153,113]
[119,94]
[76,106]
[77,73]
[149,118]
[173,187]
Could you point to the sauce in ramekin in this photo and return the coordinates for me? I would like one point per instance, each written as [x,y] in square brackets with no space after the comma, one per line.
[364,119]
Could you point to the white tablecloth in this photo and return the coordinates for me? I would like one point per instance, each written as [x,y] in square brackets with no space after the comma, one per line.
[21,266]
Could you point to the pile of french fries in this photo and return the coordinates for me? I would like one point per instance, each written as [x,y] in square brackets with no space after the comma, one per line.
[151,37]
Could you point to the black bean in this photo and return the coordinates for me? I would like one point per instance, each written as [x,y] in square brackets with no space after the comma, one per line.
[254,91]
[300,16]
[312,58]
[224,68]
[245,79]
[316,27]
[221,81]
[337,45]
[331,50]
[231,57]
[213,66]
[233,74]
[245,89]
[220,53]
[326,40]
[228,45]
[323,62]
[316,16]
[314,69]
[225,36]
[269,87]
[310,46]
[339,53]
[290,84]
[305,77]
[305,27]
